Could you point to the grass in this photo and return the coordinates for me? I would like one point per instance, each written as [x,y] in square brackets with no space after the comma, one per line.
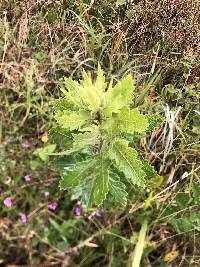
[40,43]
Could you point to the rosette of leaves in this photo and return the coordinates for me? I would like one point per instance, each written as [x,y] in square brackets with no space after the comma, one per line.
[92,120]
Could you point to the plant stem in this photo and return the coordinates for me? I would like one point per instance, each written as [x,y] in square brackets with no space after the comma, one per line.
[140,245]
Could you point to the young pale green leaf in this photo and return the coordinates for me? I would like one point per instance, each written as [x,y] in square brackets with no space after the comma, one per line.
[90,98]
[113,105]
[127,161]
[44,152]
[100,81]
[64,105]
[73,92]
[119,96]
[72,86]
[118,190]
[82,140]
[124,87]
[75,176]
[90,94]
[72,121]
[130,121]
[86,81]
[100,187]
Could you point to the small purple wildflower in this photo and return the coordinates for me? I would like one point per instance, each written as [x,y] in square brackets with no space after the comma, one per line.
[8,202]
[53,206]
[78,211]
[27,178]
[98,213]
[26,145]
[24,218]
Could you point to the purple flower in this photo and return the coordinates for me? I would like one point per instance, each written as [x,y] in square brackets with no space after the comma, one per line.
[27,178]
[8,202]
[53,206]
[78,211]
[24,218]
[98,213]
[26,145]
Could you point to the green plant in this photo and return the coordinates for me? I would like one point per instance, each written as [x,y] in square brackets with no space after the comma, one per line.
[98,121]
[183,212]
[42,41]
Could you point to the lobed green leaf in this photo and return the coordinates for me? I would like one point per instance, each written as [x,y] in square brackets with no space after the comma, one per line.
[100,187]
[73,121]
[118,190]
[75,176]
[130,121]
[119,96]
[127,161]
